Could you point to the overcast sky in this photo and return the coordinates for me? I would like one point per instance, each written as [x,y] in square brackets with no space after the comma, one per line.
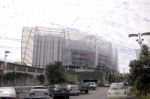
[113,20]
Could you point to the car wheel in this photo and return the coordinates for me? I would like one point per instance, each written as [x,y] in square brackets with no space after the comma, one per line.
[93,88]
[67,97]
[53,97]
[86,91]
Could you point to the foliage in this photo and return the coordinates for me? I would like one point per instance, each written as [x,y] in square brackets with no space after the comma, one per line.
[140,71]
[41,78]
[144,96]
[133,91]
[136,94]
[71,78]
[12,76]
[55,73]
[111,78]
[117,78]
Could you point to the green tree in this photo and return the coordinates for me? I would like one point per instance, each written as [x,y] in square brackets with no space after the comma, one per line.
[140,71]
[111,78]
[71,77]
[55,73]
[41,78]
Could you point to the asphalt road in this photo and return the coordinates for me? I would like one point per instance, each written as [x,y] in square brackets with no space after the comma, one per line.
[99,93]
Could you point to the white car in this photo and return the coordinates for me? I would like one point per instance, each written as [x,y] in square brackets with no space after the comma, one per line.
[117,91]
[39,92]
[7,93]
[74,89]
[106,84]
[92,85]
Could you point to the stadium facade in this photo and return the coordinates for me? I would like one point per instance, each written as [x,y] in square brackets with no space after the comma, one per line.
[41,46]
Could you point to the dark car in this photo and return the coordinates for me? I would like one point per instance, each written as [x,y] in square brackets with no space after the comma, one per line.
[84,87]
[59,91]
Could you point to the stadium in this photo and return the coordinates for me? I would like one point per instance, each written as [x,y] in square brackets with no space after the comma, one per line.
[76,50]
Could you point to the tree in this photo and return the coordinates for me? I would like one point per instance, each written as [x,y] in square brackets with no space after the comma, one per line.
[71,78]
[41,78]
[55,73]
[111,78]
[140,71]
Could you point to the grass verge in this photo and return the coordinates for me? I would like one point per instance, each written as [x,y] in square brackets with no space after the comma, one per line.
[135,93]
[144,97]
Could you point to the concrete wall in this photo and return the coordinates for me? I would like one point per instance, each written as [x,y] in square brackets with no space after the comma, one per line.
[96,75]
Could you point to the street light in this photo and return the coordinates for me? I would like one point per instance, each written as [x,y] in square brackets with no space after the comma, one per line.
[6,52]
[5,64]
[139,35]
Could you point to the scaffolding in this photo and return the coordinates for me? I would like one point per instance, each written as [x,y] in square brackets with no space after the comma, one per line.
[41,45]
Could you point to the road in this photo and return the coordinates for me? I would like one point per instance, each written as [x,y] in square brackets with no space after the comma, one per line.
[99,93]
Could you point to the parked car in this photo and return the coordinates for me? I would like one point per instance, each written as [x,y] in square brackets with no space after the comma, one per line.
[118,90]
[59,91]
[74,89]
[106,84]
[8,93]
[39,92]
[126,83]
[84,87]
[92,85]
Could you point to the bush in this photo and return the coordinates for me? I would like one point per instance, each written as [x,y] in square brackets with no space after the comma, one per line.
[135,92]
[55,73]
[140,71]
[144,96]
[71,77]
[40,78]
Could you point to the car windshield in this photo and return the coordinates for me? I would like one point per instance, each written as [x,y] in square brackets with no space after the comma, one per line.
[60,86]
[91,83]
[116,86]
[84,84]
[7,97]
[74,86]
[39,88]
[46,46]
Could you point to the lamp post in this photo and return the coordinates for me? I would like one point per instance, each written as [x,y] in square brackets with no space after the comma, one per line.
[139,35]
[5,65]
[6,52]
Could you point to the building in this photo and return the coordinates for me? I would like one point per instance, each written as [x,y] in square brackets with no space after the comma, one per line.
[41,46]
